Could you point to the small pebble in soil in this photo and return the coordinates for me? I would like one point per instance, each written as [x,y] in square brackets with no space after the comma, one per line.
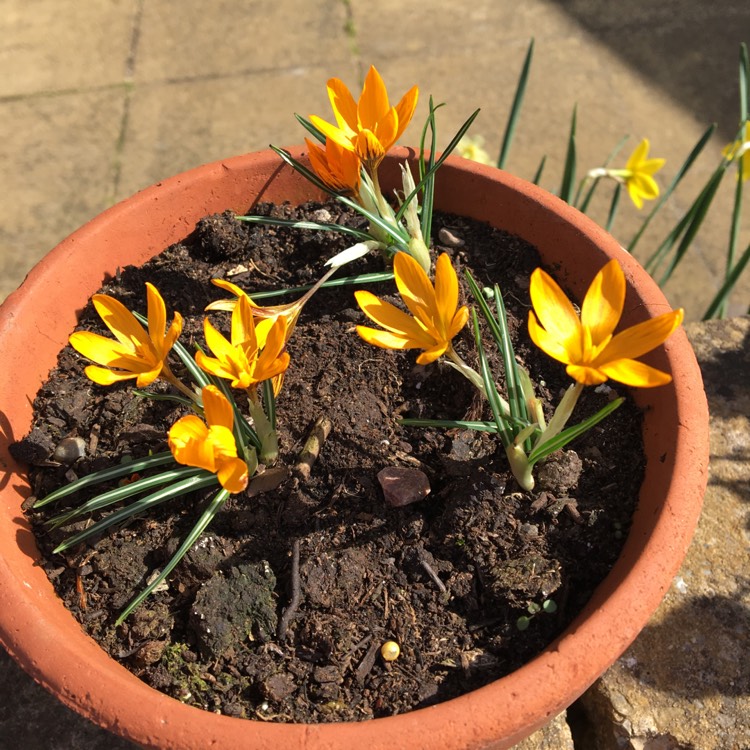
[70,449]
[390,651]
[449,239]
[402,485]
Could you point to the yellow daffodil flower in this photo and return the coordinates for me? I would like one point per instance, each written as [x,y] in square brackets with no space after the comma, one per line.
[370,126]
[255,352]
[337,166]
[588,345]
[435,316]
[638,175]
[740,150]
[136,353]
[210,445]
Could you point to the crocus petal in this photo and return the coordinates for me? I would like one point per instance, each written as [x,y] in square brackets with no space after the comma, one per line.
[460,319]
[602,307]
[344,106]
[103,376]
[233,475]
[586,375]
[546,341]
[639,339]
[446,288]
[405,110]
[373,102]
[369,148]
[553,309]
[98,348]
[157,313]
[430,355]
[217,408]
[391,318]
[243,325]
[416,290]
[387,339]
[632,372]
[335,134]
[126,329]
[188,441]
[387,129]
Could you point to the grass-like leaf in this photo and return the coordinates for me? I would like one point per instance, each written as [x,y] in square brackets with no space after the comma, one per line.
[426,167]
[206,517]
[571,433]
[107,475]
[310,128]
[116,495]
[192,483]
[321,226]
[363,278]
[539,171]
[450,424]
[616,193]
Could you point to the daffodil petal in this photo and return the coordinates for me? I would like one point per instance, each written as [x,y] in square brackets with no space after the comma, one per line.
[638,155]
[602,306]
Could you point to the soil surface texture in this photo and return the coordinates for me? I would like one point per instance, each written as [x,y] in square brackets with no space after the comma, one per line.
[279,612]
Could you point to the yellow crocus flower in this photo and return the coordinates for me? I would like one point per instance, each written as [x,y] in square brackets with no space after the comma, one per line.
[210,445]
[435,316]
[337,166]
[136,353]
[255,352]
[370,126]
[588,345]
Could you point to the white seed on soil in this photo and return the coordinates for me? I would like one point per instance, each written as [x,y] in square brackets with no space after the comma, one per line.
[70,449]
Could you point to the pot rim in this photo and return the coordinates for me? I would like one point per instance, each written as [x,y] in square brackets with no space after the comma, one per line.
[72,666]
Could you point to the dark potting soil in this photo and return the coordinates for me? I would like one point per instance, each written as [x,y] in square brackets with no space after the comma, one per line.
[447,577]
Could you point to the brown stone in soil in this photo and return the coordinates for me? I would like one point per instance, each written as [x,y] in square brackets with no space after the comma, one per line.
[403,486]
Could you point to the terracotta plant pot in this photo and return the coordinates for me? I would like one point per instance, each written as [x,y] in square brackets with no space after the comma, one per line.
[49,644]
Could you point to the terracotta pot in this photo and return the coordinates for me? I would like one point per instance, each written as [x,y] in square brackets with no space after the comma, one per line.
[45,639]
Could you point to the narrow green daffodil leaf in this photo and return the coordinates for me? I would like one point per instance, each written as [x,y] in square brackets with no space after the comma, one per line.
[728,285]
[515,110]
[683,170]
[616,193]
[571,433]
[191,484]
[539,170]
[744,81]
[107,475]
[138,487]
[734,233]
[569,173]
[206,517]
[694,225]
